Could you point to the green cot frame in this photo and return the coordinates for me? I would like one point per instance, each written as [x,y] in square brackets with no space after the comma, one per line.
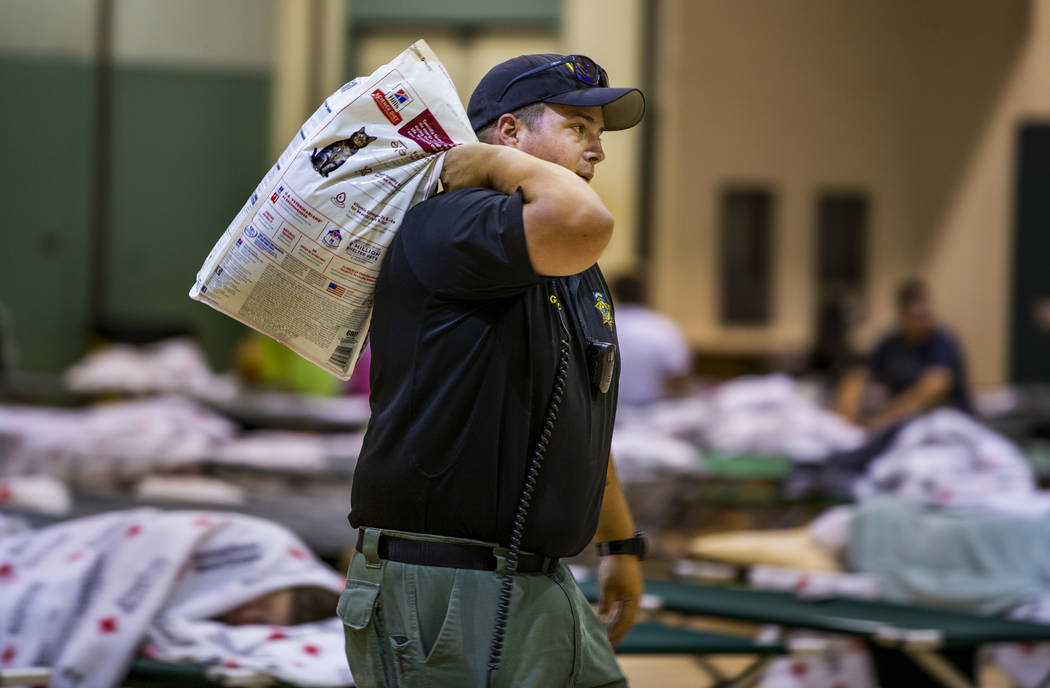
[658,639]
[918,632]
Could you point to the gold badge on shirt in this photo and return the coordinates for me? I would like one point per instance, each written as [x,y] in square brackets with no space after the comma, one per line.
[602,304]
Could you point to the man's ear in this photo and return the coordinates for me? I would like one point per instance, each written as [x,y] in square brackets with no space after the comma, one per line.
[508,129]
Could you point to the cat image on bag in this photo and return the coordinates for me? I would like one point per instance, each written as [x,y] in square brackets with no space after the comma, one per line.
[331,157]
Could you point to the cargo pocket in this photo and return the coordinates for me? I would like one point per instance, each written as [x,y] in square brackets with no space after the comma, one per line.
[356,603]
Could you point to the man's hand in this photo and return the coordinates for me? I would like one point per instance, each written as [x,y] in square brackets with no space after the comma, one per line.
[467,165]
[619,575]
[850,393]
[929,391]
[619,594]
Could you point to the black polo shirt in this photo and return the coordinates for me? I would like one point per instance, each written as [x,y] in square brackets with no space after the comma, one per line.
[465,343]
[899,363]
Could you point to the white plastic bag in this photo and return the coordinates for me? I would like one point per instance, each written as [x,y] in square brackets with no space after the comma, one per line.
[300,260]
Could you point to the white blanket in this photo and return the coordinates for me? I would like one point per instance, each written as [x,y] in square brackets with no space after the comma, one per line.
[36,493]
[844,663]
[772,415]
[173,365]
[108,444]
[83,596]
[946,458]
[298,451]
[642,455]
[769,415]
[110,441]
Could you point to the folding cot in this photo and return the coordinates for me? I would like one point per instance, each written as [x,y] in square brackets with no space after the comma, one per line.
[746,487]
[660,639]
[645,638]
[919,633]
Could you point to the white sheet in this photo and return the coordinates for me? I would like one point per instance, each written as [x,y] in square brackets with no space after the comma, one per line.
[84,595]
[946,458]
[172,365]
[118,440]
[769,415]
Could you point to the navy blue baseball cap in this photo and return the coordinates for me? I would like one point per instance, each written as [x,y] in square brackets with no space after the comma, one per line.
[558,79]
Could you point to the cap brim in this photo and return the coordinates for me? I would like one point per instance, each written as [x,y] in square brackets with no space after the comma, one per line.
[622,108]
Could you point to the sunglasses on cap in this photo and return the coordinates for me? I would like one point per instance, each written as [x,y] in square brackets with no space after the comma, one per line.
[586,70]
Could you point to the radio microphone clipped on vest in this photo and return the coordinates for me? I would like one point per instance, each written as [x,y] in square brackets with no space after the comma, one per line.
[601,359]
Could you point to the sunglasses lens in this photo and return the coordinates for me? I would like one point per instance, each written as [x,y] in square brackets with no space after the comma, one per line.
[586,70]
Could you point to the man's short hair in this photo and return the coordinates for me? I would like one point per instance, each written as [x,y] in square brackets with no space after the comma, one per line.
[629,288]
[529,114]
[310,604]
[910,292]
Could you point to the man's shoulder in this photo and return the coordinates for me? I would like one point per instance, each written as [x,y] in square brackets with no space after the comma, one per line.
[947,344]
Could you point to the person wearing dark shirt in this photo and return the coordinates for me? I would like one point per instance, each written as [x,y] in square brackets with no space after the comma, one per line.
[488,290]
[920,365]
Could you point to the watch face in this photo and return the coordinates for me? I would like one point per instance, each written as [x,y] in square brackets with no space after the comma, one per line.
[636,545]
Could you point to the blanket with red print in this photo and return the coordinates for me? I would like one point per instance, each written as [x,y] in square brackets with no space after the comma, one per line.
[85,597]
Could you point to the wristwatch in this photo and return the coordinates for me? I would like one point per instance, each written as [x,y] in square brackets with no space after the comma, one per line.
[637,545]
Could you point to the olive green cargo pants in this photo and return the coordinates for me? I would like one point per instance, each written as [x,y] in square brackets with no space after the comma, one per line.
[411,626]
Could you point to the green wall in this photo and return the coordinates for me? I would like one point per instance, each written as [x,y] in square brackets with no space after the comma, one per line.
[502,13]
[187,149]
[188,146]
[45,167]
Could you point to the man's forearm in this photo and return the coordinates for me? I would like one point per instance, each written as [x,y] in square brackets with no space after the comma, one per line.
[850,394]
[929,391]
[614,522]
[619,576]
[508,169]
[505,169]
[566,224]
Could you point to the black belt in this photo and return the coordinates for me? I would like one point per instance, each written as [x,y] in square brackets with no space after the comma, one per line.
[452,555]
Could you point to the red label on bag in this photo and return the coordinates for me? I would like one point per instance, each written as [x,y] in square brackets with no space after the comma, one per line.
[380,98]
[425,130]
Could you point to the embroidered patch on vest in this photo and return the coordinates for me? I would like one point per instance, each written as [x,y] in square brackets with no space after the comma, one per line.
[602,304]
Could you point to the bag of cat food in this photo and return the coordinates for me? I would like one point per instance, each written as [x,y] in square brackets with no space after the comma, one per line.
[299,261]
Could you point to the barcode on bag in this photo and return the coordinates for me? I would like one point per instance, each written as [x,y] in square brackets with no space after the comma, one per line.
[341,355]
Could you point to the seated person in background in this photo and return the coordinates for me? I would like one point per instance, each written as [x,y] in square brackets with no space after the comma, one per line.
[919,363]
[654,358]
